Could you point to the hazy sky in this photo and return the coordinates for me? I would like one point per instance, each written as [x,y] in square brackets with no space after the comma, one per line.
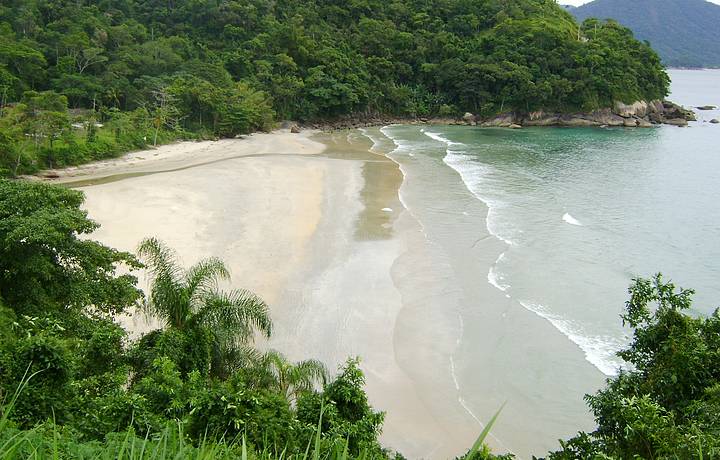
[580,2]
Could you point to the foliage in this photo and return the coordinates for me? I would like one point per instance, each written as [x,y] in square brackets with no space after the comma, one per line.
[45,265]
[667,405]
[190,305]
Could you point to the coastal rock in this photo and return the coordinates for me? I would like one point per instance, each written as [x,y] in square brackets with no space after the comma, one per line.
[643,123]
[706,107]
[540,119]
[515,126]
[714,121]
[574,121]
[630,123]
[674,111]
[469,118]
[677,122]
[655,106]
[604,117]
[295,129]
[636,109]
[501,121]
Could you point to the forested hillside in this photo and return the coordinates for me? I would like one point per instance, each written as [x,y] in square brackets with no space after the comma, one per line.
[151,71]
[683,32]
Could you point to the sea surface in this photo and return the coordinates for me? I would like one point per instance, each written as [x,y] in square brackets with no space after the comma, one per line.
[577,213]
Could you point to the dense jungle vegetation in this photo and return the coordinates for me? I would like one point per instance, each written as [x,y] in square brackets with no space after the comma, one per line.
[82,80]
[74,385]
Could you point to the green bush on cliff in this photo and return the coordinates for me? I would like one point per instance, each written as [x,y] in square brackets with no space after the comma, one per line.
[667,405]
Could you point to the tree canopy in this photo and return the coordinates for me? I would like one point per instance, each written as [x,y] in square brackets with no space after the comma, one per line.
[320,58]
[82,80]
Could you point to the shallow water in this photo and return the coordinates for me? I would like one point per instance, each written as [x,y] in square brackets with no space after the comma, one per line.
[576,215]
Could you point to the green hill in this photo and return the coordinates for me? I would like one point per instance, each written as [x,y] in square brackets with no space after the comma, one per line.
[683,32]
[151,71]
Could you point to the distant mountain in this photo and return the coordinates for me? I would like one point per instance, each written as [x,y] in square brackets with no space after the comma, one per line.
[685,33]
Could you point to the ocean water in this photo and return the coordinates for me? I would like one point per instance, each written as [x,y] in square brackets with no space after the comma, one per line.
[576,213]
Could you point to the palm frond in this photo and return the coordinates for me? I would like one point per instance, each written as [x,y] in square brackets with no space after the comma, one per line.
[306,374]
[237,315]
[230,358]
[203,277]
[160,260]
[168,298]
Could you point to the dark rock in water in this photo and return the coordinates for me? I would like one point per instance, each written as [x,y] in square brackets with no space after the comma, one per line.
[677,122]
[706,107]
[51,175]
[672,111]
[714,121]
[295,129]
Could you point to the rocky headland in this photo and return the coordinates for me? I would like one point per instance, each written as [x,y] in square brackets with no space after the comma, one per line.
[640,114]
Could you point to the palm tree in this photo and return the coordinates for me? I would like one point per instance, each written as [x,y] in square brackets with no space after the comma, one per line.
[190,300]
[292,379]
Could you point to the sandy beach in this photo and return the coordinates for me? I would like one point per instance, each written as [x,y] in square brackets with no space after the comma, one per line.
[314,224]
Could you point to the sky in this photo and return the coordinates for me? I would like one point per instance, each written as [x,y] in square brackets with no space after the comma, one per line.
[580,2]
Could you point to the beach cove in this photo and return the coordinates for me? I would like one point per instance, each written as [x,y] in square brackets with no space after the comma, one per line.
[358,257]
[465,266]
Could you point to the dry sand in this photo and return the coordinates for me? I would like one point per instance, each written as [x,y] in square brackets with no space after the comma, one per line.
[188,154]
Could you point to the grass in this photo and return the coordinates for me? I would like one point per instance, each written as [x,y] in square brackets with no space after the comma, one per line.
[50,441]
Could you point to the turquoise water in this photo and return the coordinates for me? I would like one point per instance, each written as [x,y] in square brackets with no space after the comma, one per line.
[577,213]
[583,211]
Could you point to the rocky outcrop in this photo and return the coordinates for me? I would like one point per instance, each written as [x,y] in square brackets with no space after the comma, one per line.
[715,121]
[706,107]
[674,111]
[501,121]
[637,109]
[640,114]
[676,122]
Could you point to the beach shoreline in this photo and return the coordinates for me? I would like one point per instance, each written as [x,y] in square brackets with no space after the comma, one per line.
[317,225]
[185,154]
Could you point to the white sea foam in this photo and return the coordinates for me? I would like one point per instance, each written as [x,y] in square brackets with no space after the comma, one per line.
[570,219]
[452,373]
[495,278]
[439,137]
[599,350]
[473,174]
[387,209]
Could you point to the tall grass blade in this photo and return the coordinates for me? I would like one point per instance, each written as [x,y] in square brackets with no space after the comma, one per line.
[481,439]
[316,452]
